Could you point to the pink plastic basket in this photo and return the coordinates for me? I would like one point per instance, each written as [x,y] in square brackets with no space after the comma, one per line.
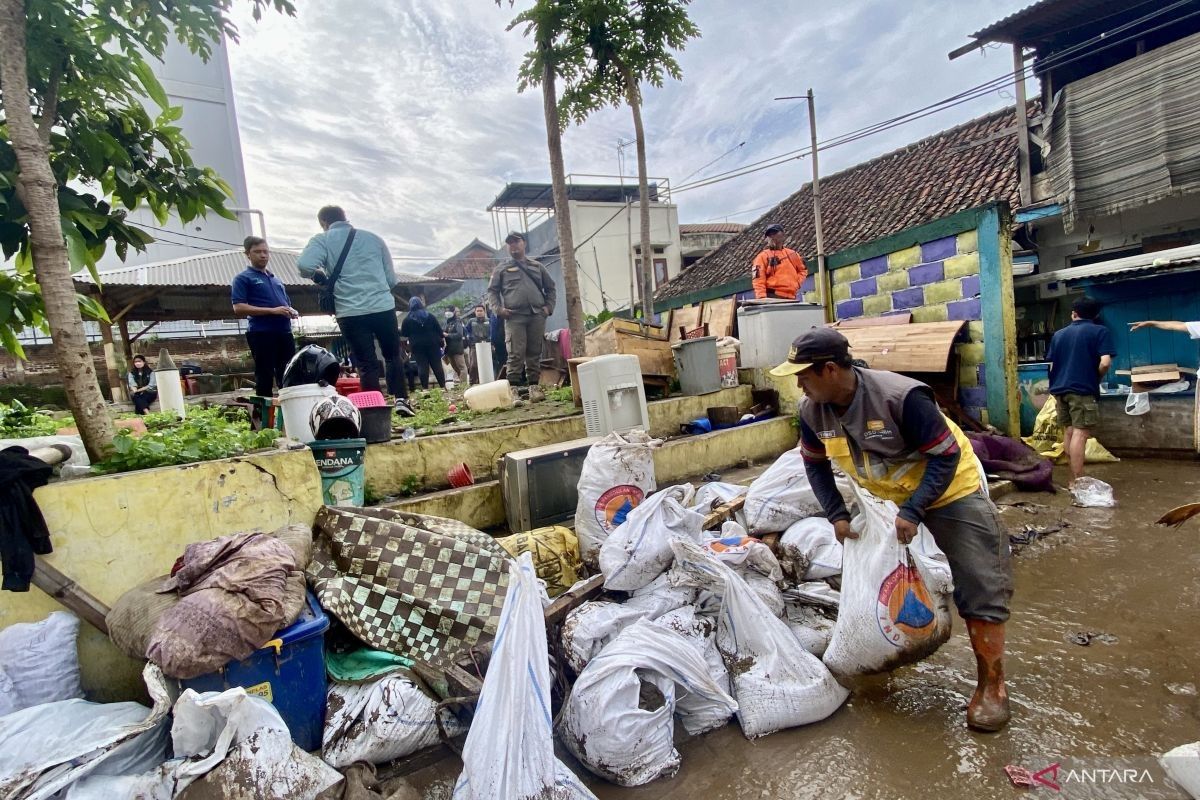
[367,399]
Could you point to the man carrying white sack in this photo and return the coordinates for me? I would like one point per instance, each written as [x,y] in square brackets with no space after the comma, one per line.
[886,432]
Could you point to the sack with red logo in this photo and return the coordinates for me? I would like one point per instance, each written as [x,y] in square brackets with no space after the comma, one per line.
[895,601]
[617,475]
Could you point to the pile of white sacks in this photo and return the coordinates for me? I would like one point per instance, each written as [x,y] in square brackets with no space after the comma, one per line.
[701,626]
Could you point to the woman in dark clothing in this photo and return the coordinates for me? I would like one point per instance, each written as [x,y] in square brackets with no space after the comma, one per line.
[143,386]
[425,336]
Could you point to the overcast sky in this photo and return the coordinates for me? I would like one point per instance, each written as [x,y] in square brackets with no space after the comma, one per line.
[406,113]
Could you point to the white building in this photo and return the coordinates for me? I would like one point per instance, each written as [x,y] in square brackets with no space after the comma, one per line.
[606,229]
[209,123]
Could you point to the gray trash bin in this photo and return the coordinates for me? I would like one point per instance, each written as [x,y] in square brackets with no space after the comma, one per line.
[696,365]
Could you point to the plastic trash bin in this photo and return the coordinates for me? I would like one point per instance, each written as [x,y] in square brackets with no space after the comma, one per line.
[288,672]
[696,365]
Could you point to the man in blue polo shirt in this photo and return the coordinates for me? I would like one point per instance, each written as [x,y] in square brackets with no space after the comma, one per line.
[259,296]
[1079,356]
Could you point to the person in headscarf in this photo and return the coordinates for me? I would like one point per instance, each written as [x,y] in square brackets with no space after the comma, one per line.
[426,339]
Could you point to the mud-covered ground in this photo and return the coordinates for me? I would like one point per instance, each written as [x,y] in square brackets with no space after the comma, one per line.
[1109,577]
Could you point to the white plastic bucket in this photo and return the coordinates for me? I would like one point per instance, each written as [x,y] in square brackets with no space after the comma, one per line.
[489,396]
[296,403]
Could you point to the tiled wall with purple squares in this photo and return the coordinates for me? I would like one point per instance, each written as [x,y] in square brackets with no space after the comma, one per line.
[934,281]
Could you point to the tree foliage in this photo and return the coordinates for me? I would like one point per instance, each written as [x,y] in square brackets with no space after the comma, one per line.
[614,40]
[111,151]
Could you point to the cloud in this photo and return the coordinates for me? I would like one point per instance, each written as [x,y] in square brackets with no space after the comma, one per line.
[407,113]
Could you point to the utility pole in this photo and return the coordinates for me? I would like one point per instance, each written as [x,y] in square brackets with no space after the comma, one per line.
[816,194]
[1023,163]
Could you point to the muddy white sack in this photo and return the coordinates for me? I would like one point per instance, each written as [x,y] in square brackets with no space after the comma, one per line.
[588,629]
[776,682]
[380,721]
[620,717]
[639,550]
[617,475]
[1182,765]
[701,630]
[509,750]
[809,550]
[895,598]
[782,496]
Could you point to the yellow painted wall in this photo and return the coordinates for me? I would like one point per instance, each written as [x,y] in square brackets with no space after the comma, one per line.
[113,532]
[482,506]
[430,458]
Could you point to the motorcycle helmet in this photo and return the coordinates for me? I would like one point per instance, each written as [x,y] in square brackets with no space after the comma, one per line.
[311,364]
[335,418]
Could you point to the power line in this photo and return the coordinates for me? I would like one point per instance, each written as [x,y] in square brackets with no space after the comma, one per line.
[715,160]
[1057,60]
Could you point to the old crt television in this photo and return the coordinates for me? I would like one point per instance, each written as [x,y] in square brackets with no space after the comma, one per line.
[540,483]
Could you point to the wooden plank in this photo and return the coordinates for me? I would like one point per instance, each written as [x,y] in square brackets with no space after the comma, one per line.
[66,591]
[686,318]
[649,331]
[573,598]
[920,347]
[601,341]
[723,512]
[719,316]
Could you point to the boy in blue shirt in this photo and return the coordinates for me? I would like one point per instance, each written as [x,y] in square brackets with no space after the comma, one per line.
[261,297]
[1080,354]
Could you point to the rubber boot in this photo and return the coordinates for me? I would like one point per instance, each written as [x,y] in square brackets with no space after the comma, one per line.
[988,710]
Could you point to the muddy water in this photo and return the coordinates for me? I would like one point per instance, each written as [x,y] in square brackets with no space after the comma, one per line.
[1102,706]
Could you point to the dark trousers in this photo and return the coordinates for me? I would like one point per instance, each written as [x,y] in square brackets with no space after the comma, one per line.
[271,351]
[523,337]
[429,357]
[142,400]
[361,333]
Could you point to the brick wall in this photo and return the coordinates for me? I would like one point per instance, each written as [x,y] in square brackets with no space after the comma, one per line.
[936,281]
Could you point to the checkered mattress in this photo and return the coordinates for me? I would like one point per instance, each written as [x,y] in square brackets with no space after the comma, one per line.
[419,586]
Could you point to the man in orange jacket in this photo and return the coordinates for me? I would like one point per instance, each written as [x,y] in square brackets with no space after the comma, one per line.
[778,271]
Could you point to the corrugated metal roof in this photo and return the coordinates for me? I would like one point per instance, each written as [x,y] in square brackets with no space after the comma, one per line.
[197,287]
[214,269]
[1143,262]
[540,195]
[1050,17]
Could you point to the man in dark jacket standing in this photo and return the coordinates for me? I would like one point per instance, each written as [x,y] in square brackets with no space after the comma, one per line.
[455,334]
[479,330]
[522,294]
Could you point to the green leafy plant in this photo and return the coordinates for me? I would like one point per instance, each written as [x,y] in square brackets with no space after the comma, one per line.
[206,434]
[562,394]
[410,485]
[432,410]
[19,422]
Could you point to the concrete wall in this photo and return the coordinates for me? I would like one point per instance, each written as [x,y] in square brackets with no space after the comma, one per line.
[430,458]
[111,533]
[687,458]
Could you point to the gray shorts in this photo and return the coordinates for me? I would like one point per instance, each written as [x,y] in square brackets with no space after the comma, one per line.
[975,541]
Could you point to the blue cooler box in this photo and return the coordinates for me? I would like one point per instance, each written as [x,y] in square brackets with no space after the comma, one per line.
[288,672]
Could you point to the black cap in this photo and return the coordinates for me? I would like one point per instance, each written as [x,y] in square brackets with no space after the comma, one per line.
[515,235]
[817,344]
[774,227]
